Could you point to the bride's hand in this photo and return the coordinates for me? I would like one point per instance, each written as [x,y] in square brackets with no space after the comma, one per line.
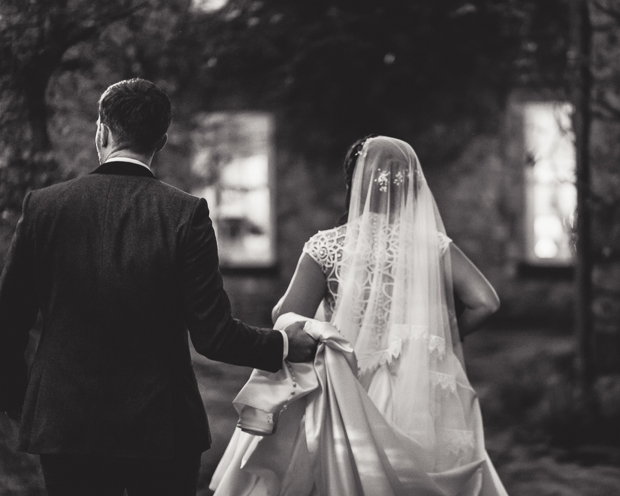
[301,347]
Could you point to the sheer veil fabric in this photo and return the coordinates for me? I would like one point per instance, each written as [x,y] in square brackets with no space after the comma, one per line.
[395,304]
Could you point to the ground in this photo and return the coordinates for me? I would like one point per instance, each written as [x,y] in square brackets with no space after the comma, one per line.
[534,470]
[527,470]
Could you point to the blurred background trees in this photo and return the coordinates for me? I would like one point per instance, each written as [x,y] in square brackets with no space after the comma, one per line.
[54,53]
[336,70]
[437,74]
[333,69]
[433,73]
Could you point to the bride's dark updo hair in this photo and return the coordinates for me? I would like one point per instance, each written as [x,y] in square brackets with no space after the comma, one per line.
[350,160]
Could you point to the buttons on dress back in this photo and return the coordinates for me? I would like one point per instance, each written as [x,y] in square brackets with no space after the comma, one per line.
[294,381]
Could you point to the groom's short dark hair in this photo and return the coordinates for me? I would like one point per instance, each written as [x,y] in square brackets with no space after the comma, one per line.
[137,112]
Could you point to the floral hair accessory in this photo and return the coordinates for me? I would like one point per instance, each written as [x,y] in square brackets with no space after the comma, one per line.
[383,180]
[361,145]
[399,178]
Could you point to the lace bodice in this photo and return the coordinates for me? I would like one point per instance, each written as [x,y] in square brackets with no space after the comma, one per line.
[326,249]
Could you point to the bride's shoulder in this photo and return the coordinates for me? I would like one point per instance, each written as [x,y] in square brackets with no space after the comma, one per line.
[327,234]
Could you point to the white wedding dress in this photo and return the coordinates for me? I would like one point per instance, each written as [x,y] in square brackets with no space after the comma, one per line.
[386,407]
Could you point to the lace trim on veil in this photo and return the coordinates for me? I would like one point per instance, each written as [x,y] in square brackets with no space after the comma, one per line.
[402,334]
[369,363]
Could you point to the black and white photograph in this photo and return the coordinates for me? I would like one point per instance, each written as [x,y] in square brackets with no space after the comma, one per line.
[309,248]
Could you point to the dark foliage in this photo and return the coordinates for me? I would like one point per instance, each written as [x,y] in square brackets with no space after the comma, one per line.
[543,401]
[337,70]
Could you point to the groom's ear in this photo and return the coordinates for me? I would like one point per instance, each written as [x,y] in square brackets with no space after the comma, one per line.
[102,137]
[105,134]
[161,142]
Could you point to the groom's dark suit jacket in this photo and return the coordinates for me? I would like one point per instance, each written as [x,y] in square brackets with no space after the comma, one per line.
[120,266]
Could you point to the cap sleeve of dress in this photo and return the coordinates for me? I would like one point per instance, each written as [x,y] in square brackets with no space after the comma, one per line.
[324,248]
[316,247]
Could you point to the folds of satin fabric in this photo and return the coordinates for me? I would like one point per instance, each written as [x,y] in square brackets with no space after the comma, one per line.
[331,439]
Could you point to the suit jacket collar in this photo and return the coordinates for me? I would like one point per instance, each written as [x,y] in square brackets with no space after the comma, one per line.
[123,169]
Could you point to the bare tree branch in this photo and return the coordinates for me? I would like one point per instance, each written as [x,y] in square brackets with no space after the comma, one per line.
[606,106]
[613,13]
[604,28]
[599,114]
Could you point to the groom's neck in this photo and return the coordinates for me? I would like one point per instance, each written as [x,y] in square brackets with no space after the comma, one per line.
[127,153]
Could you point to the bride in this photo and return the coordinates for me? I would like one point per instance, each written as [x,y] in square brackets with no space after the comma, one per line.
[387,278]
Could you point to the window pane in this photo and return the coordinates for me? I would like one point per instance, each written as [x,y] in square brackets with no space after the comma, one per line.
[232,159]
[550,183]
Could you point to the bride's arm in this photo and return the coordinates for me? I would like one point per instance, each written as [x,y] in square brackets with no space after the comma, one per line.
[473,290]
[305,291]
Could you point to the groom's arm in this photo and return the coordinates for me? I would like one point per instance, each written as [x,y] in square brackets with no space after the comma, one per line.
[214,332]
[18,313]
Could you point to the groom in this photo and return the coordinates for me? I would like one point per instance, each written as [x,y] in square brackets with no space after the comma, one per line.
[120,265]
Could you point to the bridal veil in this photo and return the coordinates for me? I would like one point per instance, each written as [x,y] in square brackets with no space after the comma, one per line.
[395,304]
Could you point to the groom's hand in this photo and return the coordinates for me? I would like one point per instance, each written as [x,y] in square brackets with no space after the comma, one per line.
[301,347]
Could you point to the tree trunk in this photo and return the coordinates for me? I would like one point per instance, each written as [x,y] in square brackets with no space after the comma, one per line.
[582,85]
[31,164]
[34,79]
[37,117]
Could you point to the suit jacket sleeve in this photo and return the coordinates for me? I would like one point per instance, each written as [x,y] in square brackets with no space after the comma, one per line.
[214,332]
[18,313]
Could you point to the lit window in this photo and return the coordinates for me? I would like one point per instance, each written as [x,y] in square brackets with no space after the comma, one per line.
[551,195]
[233,159]
[208,5]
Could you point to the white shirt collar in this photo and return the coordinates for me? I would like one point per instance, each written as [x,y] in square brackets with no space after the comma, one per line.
[126,159]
